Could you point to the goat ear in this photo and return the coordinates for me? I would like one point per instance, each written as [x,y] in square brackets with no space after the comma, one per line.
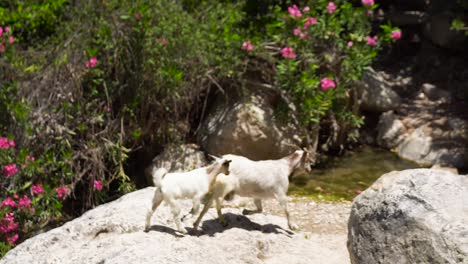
[226,162]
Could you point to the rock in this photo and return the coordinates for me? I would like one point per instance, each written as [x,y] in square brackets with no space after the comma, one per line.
[423,149]
[438,30]
[445,168]
[435,94]
[247,127]
[405,18]
[178,158]
[390,130]
[113,233]
[376,95]
[411,216]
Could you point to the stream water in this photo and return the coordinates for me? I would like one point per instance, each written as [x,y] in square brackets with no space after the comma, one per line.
[342,178]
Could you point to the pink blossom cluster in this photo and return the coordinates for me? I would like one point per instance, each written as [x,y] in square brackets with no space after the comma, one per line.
[298,32]
[288,53]
[7,226]
[5,32]
[247,46]
[368,2]
[37,189]
[294,11]
[62,191]
[10,170]
[97,185]
[327,83]
[91,63]
[310,21]
[371,41]
[331,7]
[395,34]
[5,143]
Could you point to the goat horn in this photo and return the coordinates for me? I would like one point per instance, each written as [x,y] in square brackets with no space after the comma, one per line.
[214,157]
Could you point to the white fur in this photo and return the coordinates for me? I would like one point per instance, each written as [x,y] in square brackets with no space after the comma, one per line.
[184,185]
[257,179]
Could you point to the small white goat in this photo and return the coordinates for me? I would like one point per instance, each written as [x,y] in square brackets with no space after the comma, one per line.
[257,179]
[190,185]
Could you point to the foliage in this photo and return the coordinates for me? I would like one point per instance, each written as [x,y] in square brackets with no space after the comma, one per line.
[321,51]
[33,19]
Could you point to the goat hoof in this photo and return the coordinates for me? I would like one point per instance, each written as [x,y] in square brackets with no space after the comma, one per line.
[293,227]
[245,212]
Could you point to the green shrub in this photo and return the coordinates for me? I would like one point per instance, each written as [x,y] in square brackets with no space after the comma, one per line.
[320,50]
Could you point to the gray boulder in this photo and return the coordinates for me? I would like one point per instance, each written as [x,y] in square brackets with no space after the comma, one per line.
[424,147]
[411,216]
[390,130]
[376,94]
[247,126]
[113,233]
[178,158]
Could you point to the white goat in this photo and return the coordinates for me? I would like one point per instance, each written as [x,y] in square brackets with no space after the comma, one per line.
[178,185]
[257,179]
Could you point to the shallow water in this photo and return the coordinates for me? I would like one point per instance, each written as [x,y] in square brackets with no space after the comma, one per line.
[342,178]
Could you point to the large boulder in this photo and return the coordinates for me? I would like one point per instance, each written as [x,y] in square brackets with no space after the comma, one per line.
[425,147]
[411,216]
[390,130]
[176,158]
[376,94]
[247,126]
[113,233]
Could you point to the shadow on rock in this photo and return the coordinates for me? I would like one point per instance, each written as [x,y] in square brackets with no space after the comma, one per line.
[212,226]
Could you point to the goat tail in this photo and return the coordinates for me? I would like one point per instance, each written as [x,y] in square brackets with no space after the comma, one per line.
[158,175]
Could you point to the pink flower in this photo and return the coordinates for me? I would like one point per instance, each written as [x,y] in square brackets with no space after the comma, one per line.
[97,185]
[310,21]
[371,41]
[12,238]
[10,169]
[164,42]
[306,9]
[4,143]
[331,7]
[395,34]
[10,217]
[11,39]
[294,11]
[24,202]
[1,31]
[62,191]
[137,16]
[11,143]
[2,47]
[327,83]
[247,46]
[369,12]
[350,43]
[91,63]
[297,31]
[288,52]
[367,2]
[30,158]
[37,189]
[303,35]
[108,108]
[9,202]
[7,29]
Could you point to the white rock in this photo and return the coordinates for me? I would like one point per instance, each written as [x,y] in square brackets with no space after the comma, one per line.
[412,216]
